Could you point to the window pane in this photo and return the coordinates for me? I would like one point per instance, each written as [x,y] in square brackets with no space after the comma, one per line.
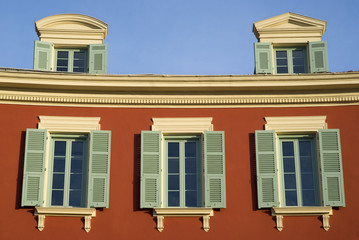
[191,182]
[173,157]
[58,181]
[291,198]
[299,69]
[290,181]
[76,181]
[173,182]
[77,148]
[60,148]
[191,165]
[308,198]
[173,199]
[62,54]
[59,164]
[281,54]
[191,199]
[282,69]
[305,148]
[288,149]
[307,181]
[298,53]
[281,62]
[173,149]
[57,198]
[289,164]
[190,149]
[75,199]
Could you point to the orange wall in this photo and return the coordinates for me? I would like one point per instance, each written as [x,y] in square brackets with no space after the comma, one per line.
[124,219]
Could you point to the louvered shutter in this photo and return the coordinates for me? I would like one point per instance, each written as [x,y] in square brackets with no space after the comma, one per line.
[267,181]
[214,170]
[98,58]
[318,56]
[34,161]
[263,58]
[42,56]
[150,169]
[331,168]
[99,169]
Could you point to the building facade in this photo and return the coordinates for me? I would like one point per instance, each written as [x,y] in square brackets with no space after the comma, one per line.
[90,155]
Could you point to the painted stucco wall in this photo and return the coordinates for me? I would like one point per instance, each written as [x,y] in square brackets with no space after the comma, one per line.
[125,220]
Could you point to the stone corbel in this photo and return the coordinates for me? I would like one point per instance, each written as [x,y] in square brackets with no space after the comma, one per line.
[280,212]
[161,213]
[86,213]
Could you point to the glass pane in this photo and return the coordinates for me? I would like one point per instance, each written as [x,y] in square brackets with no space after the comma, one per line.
[59,164]
[307,181]
[298,53]
[191,199]
[289,181]
[299,69]
[173,199]
[77,148]
[60,148]
[57,197]
[298,61]
[281,54]
[173,182]
[282,69]
[305,148]
[191,182]
[62,54]
[61,69]
[76,181]
[191,165]
[75,199]
[79,69]
[76,166]
[308,198]
[288,149]
[281,62]
[58,181]
[173,149]
[190,149]
[79,55]
[62,63]
[291,198]
[289,164]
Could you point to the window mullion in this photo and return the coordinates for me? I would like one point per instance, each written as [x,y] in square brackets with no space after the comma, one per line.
[67,173]
[71,61]
[290,61]
[182,174]
[298,172]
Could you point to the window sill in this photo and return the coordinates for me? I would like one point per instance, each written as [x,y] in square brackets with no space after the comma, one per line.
[160,213]
[86,213]
[279,212]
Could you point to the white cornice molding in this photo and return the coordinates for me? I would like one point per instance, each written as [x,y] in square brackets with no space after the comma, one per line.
[50,88]
[69,124]
[182,125]
[295,124]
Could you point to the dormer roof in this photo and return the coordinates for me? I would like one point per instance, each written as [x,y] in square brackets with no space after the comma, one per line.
[289,28]
[71,29]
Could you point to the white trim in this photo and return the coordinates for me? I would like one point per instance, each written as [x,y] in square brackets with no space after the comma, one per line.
[182,125]
[86,213]
[69,124]
[295,124]
[160,213]
[280,212]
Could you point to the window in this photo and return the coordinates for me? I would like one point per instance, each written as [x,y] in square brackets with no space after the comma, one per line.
[311,57]
[291,60]
[71,60]
[183,164]
[182,169]
[66,170]
[68,164]
[299,171]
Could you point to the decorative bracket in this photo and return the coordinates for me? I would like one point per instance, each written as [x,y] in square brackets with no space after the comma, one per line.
[279,212]
[161,213]
[86,213]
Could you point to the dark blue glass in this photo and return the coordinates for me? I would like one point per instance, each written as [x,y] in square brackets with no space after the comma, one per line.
[58,181]
[75,199]
[173,199]
[57,198]
[191,199]
[291,198]
[191,182]
[173,182]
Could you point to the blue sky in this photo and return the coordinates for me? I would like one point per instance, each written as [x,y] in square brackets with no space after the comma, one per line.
[201,37]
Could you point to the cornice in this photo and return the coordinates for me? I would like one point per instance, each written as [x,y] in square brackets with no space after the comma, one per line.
[50,88]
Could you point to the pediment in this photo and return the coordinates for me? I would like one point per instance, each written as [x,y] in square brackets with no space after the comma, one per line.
[289,23]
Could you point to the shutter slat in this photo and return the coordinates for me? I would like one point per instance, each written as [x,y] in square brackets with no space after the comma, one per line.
[99,169]
[214,169]
[263,58]
[331,168]
[150,169]
[34,160]
[266,168]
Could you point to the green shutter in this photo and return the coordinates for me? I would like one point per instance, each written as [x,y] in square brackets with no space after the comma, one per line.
[34,161]
[331,168]
[98,58]
[263,57]
[267,181]
[150,169]
[99,169]
[318,56]
[214,170]
[42,56]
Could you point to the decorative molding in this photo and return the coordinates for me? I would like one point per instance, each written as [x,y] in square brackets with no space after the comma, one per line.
[86,213]
[280,212]
[289,28]
[160,213]
[69,124]
[296,124]
[182,125]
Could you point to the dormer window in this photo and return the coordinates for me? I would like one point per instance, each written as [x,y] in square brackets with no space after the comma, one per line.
[290,44]
[80,48]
